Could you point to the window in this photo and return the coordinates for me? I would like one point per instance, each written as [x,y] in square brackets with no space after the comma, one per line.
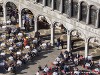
[83,11]
[65,6]
[93,15]
[40,1]
[74,8]
[48,3]
[1,11]
[57,4]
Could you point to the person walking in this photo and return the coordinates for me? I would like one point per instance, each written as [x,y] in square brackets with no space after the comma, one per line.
[72,44]
[58,43]
[62,43]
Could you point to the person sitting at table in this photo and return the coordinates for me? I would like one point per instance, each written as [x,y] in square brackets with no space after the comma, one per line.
[76,61]
[35,52]
[66,68]
[99,63]
[87,65]
[46,69]
[76,72]
[97,70]
[55,73]
[19,63]
[37,73]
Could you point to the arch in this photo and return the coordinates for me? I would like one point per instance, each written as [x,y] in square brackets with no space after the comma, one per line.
[12,3]
[43,20]
[27,17]
[83,2]
[12,12]
[78,30]
[48,20]
[53,24]
[91,37]
[27,9]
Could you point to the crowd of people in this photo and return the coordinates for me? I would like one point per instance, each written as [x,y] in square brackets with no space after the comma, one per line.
[17,48]
[67,63]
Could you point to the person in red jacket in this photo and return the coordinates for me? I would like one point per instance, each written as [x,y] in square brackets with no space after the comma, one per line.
[25,41]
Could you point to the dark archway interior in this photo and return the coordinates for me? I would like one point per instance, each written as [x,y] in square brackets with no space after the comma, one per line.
[12,13]
[60,32]
[42,23]
[27,16]
[1,11]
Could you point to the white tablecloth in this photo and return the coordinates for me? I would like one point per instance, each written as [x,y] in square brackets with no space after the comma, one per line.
[27,47]
[2,64]
[34,50]
[90,57]
[19,44]
[10,58]
[11,40]
[20,34]
[4,27]
[3,44]
[55,62]
[97,69]
[76,72]
[11,48]
[44,44]
[34,41]
[87,64]
[2,53]
[18,53]
[19,62]
[3,36]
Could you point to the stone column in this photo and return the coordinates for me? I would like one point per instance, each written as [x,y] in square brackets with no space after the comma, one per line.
[20,20]
[52,5]
[97,20]
[70,9]
[44,2]
[68,41]
[88,15]
[4,13]
[35,24]
[79,12]
[20,17]
[52,35]
[86,48]
[61,6]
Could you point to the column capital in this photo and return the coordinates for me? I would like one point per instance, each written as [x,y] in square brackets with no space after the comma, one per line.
[87,40]
[69,1]
[98,11]
[68,32]
[88,7]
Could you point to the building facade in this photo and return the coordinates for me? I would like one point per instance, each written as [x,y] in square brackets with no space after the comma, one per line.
[79,16]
